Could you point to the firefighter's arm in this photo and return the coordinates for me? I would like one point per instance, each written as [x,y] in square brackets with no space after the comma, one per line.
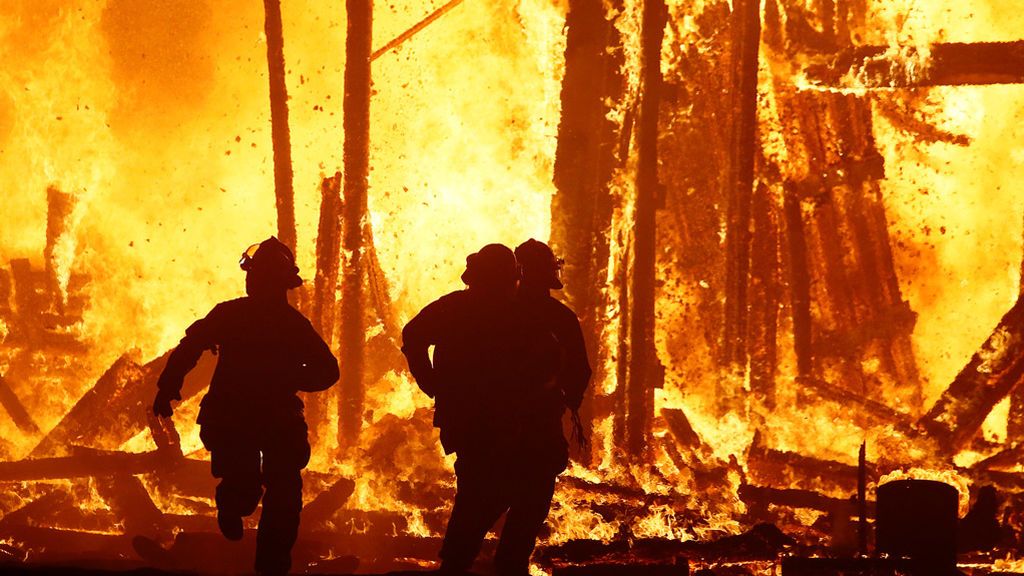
[318,367]
[575,373]
[418,335]
[200,336]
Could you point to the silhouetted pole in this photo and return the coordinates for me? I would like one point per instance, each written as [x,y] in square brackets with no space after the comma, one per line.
[645,372]
[279,125]
[585,159]
[746,18]
[358,47]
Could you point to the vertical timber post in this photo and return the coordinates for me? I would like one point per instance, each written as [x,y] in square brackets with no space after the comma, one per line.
[643,376]
[747,32]
[582,206]
[358,47]
[283,191]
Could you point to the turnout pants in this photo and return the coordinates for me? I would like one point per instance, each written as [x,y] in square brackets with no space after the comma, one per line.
[249,461]
[488,487]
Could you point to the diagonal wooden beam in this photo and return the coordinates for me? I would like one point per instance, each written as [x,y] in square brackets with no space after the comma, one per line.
[398,40]
[16,409]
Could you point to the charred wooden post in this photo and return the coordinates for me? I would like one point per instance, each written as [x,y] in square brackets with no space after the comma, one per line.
[16,410]
[325,288]
[746,22]
[992,372]
[799,283]
[29,300]
[645,371]
[358,46]
[283,191]
[328,255]
[59,206]
[762,332]
[581,208]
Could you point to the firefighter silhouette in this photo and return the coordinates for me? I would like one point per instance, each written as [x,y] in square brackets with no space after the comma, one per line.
[251,419]
[497,381]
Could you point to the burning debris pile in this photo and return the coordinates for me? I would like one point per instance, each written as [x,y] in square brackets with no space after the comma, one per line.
[785,231]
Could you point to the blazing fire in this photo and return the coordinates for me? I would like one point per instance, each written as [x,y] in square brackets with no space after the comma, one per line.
[792,229]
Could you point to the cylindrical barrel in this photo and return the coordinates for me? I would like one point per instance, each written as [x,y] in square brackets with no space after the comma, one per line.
[917,519]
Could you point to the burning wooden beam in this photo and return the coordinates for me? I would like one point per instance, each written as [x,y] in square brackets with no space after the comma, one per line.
[16,410]
[992,372]
[946,64]
[130,500]
[644,372]
[799,282]
[115,408]
[762,496]
[770,467]
[327,503]
[328,255]
[764,291]
[746,22]
[59,206]
[581,208]
[401,38]
[873,409]
[358,46]
[81,465]
[283,192]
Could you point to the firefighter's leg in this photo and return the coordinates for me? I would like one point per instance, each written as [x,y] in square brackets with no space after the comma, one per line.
[285,454]
[479,502]
[234,459]
[530,502]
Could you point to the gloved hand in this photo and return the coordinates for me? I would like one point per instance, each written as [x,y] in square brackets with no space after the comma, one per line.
[162,403]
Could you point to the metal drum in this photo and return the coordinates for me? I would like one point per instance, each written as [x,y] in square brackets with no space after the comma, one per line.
[917,519]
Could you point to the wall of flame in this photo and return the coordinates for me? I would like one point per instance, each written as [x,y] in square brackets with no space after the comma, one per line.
[155,117]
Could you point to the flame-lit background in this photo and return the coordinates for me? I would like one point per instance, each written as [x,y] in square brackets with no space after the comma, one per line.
[149,124]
